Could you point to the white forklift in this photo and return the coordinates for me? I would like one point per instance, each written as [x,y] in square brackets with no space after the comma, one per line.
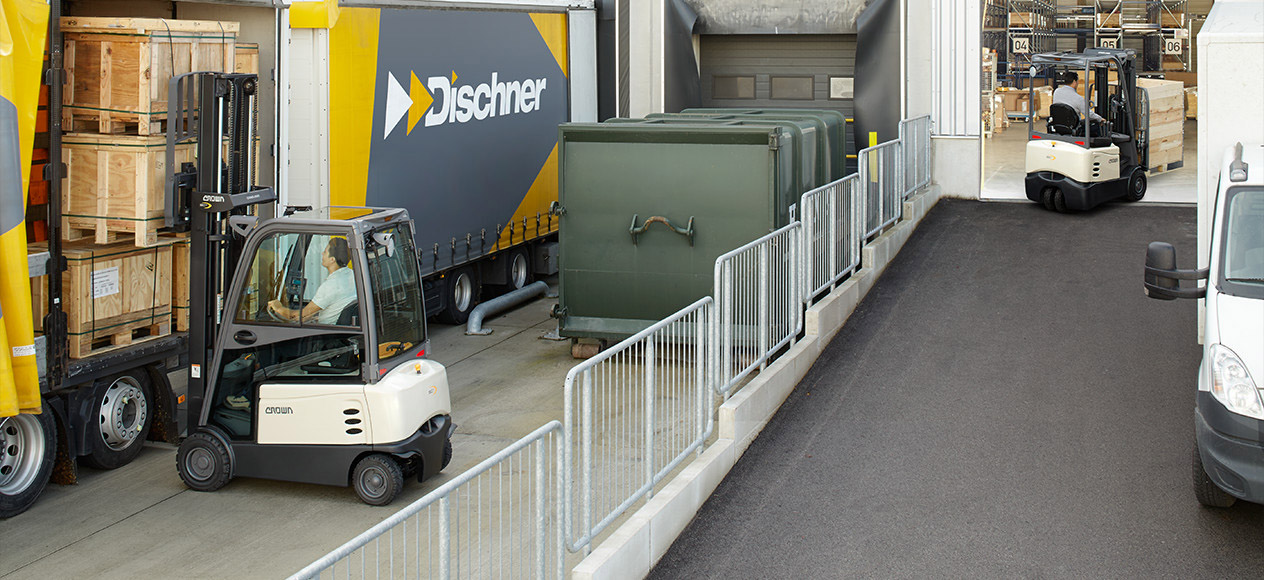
[307,331]
[1077,162]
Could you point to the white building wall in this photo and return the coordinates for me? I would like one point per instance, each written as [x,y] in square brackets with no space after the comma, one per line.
[943,53]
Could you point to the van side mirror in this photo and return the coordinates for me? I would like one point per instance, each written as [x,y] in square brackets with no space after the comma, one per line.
[1163,279]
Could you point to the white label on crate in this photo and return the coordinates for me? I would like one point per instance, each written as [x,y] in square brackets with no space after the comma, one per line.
[195,371]
[26,350]
[105,283]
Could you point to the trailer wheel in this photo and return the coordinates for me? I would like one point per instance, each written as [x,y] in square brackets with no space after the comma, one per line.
[461,289]
[28,446]
[519,274]
[1136,185]
[123,412]
[1208,493]
[204,463]
[377,479]
[1046,197]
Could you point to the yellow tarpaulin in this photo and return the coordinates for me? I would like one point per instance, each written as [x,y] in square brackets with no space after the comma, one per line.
[23,28]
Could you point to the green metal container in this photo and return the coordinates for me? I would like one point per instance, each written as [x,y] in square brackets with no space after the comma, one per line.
[833,124]
[647,208]
[806,142]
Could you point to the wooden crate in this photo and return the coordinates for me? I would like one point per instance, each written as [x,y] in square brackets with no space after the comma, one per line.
[1169,19]
[180,281]
[1109,20]
[118,69]
[113,295]
[1191,102]
[1025,20]
[1167,121]
[114,186]
[247,58]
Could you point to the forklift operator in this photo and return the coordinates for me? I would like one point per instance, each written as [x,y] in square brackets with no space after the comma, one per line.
[1068,94]
[335,293]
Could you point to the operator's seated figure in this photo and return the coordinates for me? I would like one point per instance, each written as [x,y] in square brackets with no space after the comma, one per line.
[335,293]
[1068,94]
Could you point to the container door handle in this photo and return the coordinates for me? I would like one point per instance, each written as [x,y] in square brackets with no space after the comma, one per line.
[244,337]
[635,230]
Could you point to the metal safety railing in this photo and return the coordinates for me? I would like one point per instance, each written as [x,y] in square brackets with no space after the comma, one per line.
[916,148]
[832,218]
[633,414]
[500,518]
[758,303]
[637,411]
[881,178]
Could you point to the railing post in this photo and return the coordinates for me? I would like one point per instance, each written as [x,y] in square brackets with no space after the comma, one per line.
[764,281]
[650,355]
[832,239]
[445,541]
[700,359]
[726,327]
[540,545]
[586,458]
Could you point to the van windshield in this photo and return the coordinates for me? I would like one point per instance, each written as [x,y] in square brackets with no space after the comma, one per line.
[1242,264]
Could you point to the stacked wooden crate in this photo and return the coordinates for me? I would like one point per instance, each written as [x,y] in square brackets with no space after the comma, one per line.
[121,286]
[1167,122]
[1191,103]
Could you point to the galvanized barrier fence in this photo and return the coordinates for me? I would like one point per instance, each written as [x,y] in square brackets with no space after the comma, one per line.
[916,145]
[634,413]
[832,220]
[500,518]
[881,177]
[758,302]
[637,411]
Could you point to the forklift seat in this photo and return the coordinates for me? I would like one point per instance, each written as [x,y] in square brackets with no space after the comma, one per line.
[1063,120]
[344,363]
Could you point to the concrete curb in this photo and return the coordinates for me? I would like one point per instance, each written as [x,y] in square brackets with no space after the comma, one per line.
[632,550]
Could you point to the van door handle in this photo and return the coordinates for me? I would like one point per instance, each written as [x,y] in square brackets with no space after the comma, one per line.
[244,337]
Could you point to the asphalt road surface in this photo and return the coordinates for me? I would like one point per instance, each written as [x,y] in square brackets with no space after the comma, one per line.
[1004,403]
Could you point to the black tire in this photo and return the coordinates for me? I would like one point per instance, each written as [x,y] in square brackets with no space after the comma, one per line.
[1059,201]
[28,449]
[1208,493]
[122,413]
[461,290]
[204,463]
[377,479]
[1137,184]
[447,453]
[1046,197]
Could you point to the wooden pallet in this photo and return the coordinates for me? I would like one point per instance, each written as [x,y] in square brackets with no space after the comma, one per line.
[142,233]
[84,120]
[126,334]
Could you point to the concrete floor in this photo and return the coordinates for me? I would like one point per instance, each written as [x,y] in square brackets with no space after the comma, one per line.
[140,520]
[1004,160]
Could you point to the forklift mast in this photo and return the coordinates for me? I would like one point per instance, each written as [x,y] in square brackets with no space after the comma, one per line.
[218,112]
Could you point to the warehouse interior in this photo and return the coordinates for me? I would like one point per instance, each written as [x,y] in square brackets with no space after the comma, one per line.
[1163,33]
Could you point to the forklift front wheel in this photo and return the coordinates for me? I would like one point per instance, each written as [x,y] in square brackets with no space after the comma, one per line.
[204,462]
[377,479]
[1136,185]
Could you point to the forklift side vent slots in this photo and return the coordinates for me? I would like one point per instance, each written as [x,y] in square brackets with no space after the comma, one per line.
[354,431]
[352,421]
[351,412]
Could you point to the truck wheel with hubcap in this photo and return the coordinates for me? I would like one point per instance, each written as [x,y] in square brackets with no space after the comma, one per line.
[121,417]
[461,289]
[519,274]
[1136,185]
[1206,490]
[377,479]
[204,463]
[28,446]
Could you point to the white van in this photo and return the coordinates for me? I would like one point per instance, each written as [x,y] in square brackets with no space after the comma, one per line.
[1228,460]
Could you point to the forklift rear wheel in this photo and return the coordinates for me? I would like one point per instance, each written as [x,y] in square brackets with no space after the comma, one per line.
[1046,197]
[1059,201]
[123,413]
[1136,185]
[462,294]
[447,454]
[204,463]
[28,446]
[377,479]
[1208,493]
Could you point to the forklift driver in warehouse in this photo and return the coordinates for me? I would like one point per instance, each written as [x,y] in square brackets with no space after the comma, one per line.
[1068,93]
[335,293]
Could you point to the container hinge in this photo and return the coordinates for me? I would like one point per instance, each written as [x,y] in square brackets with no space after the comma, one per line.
[556,209]
[774,141]
[558,312]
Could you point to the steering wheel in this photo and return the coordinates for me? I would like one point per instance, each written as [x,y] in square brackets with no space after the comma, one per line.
[272,315]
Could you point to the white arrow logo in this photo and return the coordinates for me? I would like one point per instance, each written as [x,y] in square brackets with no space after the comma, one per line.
[397,104]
